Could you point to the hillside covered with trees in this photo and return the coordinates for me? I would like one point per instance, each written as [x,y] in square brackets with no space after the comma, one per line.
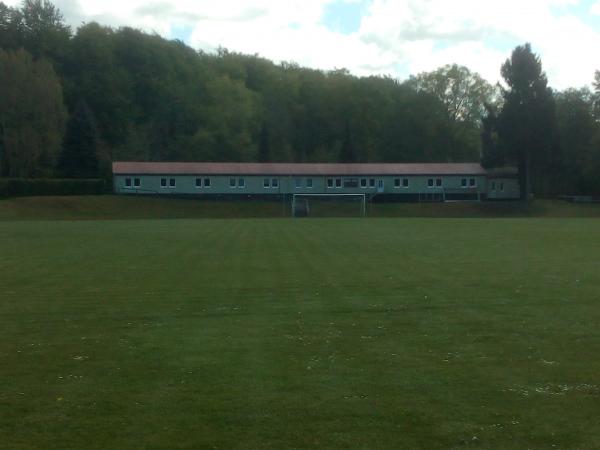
[71,101]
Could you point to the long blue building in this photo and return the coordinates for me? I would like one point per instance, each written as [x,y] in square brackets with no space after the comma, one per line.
[402,182]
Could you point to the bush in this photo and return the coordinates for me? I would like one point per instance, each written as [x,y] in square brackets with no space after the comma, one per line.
[24,187]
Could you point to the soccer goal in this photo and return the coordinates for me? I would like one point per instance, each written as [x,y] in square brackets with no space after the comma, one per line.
[323,205]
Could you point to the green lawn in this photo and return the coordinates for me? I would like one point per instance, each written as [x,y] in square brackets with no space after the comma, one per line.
[331,333]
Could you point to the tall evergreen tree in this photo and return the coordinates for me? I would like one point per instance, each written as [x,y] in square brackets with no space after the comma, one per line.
[526,124]
[79,157]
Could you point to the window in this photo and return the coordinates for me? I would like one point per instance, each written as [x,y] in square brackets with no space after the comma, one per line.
[405,182]
[163,182]
[137,182]
[438,182]
[309,183]
[338,183]
[127,182]
[363,182]
[396,183]
[298,183]
[463,182]
[241,183]
[472,182]
[493,185]
[232,182]
[275,183]
[266,183]
[329,183]
[207,182]
[172,182]
[430,182]
[350,183]
[372,182]
[198,182]
[502,187]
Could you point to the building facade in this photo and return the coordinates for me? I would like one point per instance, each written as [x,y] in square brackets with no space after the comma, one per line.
[403,182]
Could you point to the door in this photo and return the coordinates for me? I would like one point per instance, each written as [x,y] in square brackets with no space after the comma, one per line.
[380,186]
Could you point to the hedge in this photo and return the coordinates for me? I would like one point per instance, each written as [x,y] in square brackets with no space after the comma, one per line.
[24,187]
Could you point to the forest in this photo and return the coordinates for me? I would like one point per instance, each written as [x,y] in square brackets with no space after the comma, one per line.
[72,101]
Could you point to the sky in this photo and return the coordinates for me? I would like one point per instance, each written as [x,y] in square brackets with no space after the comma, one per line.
[372,37]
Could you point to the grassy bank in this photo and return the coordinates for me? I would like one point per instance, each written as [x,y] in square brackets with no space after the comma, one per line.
[115,207]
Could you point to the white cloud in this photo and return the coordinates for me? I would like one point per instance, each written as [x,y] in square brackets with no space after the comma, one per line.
[481,34]
[396,37]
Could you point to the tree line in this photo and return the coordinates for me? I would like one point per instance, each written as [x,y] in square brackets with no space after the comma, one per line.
[72,101]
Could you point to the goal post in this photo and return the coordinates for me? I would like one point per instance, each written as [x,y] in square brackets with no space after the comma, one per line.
[303,204]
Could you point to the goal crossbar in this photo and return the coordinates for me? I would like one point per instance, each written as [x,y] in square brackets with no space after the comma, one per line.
[362,197]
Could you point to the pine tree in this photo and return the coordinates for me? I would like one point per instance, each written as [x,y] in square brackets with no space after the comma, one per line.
[79,157]
[526,124]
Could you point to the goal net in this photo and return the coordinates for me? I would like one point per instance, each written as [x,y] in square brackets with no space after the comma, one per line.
[329,205]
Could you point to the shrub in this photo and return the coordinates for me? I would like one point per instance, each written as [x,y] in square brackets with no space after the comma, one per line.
[24,187]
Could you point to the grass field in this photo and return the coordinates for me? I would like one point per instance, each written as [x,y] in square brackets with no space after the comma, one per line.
[331,333]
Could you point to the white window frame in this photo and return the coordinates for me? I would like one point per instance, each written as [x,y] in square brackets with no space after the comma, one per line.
[430,183]
[174,184]
[234,184]
[441,180]
[405,183]
[372,183]
[275,183]
[137,182]
[397,183]
[165,184]
[206,185]
[198,185]
[364,184]
[493,183]
[297,183]
[309,183]
[128,182]
[241,183]
[339,183]
[464,183]
[266,183]
[330,183]
[474,182]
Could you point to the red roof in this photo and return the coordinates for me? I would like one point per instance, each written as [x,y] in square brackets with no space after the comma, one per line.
[214,168]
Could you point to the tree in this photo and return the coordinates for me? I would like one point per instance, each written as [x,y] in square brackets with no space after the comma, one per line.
[80,153]
[348,151]
[464,95]
[45,33]
[596,85]
[264,144]
[32,115]
[11,27]
[491,154]
[526,123]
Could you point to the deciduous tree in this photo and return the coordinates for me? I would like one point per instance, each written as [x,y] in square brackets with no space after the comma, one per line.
[32,115]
